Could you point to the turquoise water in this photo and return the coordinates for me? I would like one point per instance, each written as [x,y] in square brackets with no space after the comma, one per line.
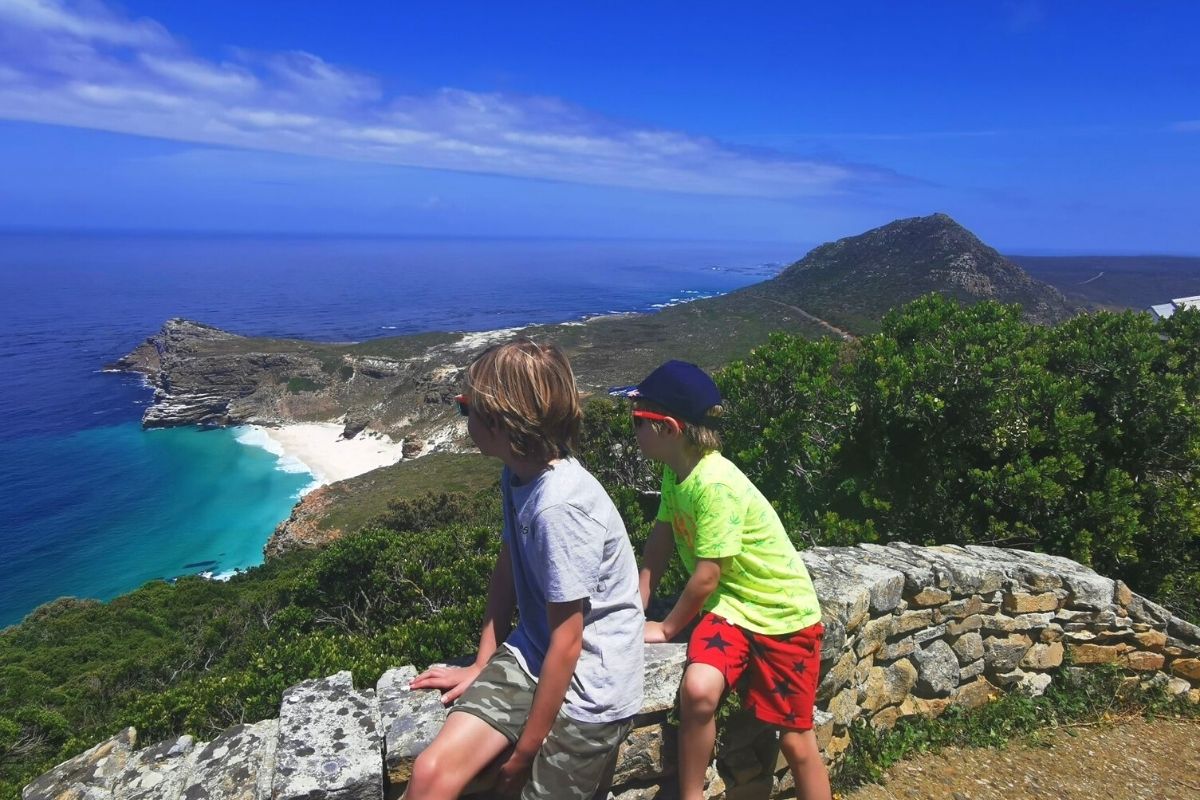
[142,505]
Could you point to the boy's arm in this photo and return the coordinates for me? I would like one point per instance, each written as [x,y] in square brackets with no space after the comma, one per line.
[566,642]
[502,599]
[497,621]
[702,584]
[655,557]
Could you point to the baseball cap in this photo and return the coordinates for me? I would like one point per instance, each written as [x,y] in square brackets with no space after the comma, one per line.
[683,389]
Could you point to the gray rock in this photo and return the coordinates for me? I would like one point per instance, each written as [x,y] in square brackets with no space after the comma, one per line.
[237,765]
[1085,589]
[917,573]
[1182,629]
[329,743]
[898,649]
[1004,654]
[157,772]
[1033,577]
[968,573]
[937,669]
[409,720]
[1144,610]
[884,585]
[664,669]
[968,647]
[95,769]
[971,671]
[935,632]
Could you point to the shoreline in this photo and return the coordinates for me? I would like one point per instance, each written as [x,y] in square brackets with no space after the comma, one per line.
[319,449]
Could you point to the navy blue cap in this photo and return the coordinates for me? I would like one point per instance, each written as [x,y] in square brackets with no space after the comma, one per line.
[685,390]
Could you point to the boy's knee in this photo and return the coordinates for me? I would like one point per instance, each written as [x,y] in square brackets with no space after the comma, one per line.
[426,777]
[701,690]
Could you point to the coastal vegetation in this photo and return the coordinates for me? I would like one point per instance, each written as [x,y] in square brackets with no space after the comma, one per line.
[951,424]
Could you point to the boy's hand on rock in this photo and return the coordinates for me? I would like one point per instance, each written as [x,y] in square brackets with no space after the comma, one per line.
[654,633]
[451,681]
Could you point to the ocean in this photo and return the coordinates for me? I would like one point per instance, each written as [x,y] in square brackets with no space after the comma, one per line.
[93,506]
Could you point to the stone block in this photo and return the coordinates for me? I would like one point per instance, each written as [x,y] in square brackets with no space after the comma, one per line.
[822,727]
[1182,629]
[1122,595]
[837,676]
[930,596]
[909,621]
[237,765]
[409,720]
[898,649]
[664,669]
[1094,653]
[887,686]
[330,743]
[1051,633]
[928,634]
[976,693]
[1177,686]
[873,635]
[1043,656]
[97,767]
[1143,610]
[1022,603]
[968,647]
[971,623]
[157,772]
[958,609]
[1151,640]
[1143,661]
[885,719]
[844,707]
[937,669]
[1193,697]
[917,572]
[1004,654]
[644,755]
[1019,623]
[972,670]
[1186,668]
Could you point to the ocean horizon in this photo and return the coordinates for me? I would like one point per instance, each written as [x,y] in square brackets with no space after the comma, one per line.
[96,506]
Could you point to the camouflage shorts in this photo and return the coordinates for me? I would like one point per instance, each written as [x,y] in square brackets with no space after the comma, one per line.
[577,758]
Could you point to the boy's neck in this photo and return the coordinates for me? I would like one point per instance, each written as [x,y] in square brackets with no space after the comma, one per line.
[527,469]
[682,461]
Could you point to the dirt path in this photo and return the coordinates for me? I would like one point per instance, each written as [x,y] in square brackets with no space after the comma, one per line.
[1127,759]
[829,326]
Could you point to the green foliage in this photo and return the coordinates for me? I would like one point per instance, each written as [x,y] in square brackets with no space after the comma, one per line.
[298,385]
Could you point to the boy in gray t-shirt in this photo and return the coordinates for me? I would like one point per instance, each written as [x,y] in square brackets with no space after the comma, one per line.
[561,689]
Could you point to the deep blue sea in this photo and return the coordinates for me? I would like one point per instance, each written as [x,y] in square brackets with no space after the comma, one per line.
[93,506]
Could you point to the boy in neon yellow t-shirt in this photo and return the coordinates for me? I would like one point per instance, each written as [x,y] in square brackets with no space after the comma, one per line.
[759,611]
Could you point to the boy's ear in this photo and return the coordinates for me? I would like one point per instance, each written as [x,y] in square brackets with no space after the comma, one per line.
[675,425]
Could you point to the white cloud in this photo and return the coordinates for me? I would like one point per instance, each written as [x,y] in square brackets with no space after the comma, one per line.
[85,65]
[1187,126]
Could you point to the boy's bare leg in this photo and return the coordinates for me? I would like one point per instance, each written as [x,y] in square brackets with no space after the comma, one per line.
[808,769]
[461,750]
[699,696]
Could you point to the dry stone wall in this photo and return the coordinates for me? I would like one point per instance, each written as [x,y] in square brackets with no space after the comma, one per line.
[909,631]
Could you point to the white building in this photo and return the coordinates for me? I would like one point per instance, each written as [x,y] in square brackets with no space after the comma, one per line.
[1164,310]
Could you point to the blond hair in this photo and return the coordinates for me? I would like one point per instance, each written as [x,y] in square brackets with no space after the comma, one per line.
[699,438]
[528,390]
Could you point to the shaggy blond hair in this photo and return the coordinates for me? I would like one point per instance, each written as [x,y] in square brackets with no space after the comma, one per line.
[699,438]
[528,390]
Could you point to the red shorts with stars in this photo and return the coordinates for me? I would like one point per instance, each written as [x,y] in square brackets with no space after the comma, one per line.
[782,671]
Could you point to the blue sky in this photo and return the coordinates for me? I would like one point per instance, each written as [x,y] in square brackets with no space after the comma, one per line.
[1042,126]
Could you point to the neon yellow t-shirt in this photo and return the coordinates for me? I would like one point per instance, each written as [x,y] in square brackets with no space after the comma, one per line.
[716,512]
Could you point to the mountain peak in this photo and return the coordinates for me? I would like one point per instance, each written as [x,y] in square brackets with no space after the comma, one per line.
[854,281]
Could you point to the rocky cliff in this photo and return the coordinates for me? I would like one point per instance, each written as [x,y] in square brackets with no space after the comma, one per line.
[909,631]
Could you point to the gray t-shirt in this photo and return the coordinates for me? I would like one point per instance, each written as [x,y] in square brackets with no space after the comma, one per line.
[567,542]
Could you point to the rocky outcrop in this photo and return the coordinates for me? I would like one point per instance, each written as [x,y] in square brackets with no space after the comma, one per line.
[302,529]
[909,631]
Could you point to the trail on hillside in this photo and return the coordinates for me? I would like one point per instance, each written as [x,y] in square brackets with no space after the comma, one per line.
[829,326]
[1124,759]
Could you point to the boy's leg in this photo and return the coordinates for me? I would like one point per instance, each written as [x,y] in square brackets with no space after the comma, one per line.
[699,696]
[462,749]
[482,724]
[576,761]
[808,768]
[717,654]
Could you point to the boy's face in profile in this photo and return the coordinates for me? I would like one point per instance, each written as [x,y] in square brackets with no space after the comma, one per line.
[491,441]
[653,443]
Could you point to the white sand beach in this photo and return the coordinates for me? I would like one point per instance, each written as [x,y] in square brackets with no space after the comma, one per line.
[318,447]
